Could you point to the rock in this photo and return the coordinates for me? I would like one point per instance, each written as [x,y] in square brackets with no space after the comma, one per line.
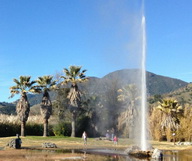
[157,154]
[49,145]
[187,143]
[184,143]
[100,138]
[140,154]
[179,143]
[11,143]
[127,150]
[135,151]
[14,143]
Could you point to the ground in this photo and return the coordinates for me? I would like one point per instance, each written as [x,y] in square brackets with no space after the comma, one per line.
[63,143]
[77,143]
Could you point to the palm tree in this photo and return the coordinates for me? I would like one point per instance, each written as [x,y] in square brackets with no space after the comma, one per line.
[23,86]
[74,75]
[172,110]
[129,96]
[45,84]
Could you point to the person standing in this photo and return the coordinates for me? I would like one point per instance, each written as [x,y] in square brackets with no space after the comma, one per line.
[18,142]
[84,136]
[112,134]
[115,140]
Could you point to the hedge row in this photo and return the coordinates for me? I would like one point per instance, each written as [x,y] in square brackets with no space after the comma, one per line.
[34,129]
[8,129]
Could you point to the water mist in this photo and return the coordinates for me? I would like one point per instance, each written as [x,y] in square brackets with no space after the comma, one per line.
[144,110]
[140,119]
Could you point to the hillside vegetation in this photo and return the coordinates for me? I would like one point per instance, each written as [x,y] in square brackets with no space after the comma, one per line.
[183,95]
[7,108]
[111,103]
[156,85]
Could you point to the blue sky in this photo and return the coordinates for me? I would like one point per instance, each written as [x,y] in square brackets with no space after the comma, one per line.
[41,37]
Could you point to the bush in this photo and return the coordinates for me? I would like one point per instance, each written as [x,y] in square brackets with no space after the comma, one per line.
[37,129]
[34,129]
[62,129]
[81,125]
[8,129]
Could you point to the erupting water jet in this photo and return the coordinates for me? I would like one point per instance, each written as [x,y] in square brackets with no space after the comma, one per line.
[143,141]
[143,150]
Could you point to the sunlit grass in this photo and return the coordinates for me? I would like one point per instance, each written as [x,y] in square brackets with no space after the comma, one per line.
[70,142]
[77,143]
[64,142]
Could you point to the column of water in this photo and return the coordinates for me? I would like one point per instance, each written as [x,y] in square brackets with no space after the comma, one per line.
[143,89]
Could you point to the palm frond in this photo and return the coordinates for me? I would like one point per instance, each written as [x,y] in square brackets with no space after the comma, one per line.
[23,84]
[74,75]
[46,83]
[31,83]
[66,71]
[16,81]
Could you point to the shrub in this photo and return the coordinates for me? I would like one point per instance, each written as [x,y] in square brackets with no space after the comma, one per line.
[34,129]
[155,124]
[62,129]
[9,129]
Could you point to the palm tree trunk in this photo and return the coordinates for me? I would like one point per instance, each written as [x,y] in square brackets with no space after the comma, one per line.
[73,124]
[23,128]
[45,132]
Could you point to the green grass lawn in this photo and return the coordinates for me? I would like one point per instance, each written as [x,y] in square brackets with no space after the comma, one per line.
[77,143]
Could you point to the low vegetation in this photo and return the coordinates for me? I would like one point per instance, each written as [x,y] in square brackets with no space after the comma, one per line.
[10,125]
[77,143]
[79,106]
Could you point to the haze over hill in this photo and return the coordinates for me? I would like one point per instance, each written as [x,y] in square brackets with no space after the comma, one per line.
[156,84]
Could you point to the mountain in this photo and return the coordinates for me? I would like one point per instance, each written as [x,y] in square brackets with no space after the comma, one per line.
[7,108]
[183,95]
[156,84]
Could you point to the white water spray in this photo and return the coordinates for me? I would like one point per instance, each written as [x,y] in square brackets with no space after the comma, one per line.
[143,138]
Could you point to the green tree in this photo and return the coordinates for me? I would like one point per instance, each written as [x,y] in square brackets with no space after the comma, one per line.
[45,84]
[22,87]
[60,105]
[111,105]
[93,109]
[172,112]
[155,98]
[74,75]
[129,96]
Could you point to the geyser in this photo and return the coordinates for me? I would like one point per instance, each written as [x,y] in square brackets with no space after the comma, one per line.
[143,137]
[140,117]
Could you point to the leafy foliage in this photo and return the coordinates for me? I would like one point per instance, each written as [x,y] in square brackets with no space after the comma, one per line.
[7,108]
[129,95]
[62,129]
[166,118]
[45,83]
[172,111]
[74,75]
[23,85]
[101,113]
[156,85]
